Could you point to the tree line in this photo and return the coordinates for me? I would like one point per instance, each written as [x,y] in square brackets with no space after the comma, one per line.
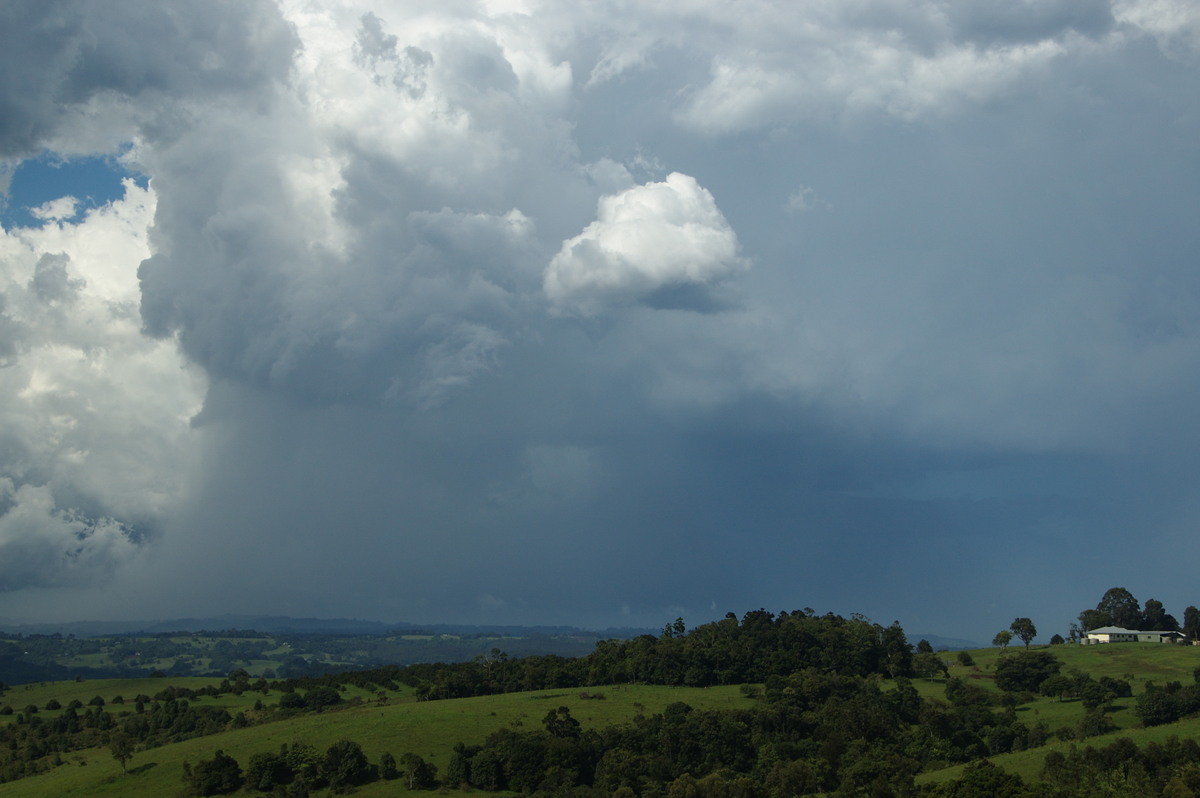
[1118,607]
[835,712]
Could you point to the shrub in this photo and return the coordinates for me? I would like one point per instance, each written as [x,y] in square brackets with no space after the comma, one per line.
[1026,670]
[345,765]
[215,776]
[265,772]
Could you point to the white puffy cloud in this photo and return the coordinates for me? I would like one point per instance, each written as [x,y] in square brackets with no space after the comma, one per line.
[95,415]
[650,238]
[61,208]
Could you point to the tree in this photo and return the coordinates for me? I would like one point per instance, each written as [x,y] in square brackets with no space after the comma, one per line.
[345,765]
[215,776]
[984,778]
[1093,619]
[1024,629]
[1057,640]
[1026,671]
[421,774]
[676,629]
[560,723]
[1002,638]
[1121,607]
[121,746]
[1058,686]
[895,650]
[923,647]
[266,771]
[928,664]
[1155,618]
[1191,623]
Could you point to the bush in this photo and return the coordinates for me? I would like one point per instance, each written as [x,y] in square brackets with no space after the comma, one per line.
[1026,671]
[1156,707]
[291,701]
[321,697]
[265,772]
[387,767]
[345,765]
[215,776]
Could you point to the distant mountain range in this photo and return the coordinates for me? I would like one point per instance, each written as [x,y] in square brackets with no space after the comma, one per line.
[279,624]
[940,643]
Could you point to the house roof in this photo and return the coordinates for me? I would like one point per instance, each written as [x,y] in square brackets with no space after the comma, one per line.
[1117,630]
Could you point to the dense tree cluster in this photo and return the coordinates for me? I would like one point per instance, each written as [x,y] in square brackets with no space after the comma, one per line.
[1167,704]
[1118,607]
[1171,768]
[1026,671]
[300,768]
[33,743]
[761,645]
[812,731]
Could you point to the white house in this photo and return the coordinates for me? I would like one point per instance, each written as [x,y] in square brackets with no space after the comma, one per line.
[1115,634]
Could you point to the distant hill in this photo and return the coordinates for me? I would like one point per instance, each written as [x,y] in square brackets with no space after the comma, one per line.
[940,643]
[280,624]
[264,644]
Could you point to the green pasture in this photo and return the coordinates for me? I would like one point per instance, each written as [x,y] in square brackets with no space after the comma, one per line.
[428,728]
[1136,663]
[38,693]
[398,724]
[1028,764]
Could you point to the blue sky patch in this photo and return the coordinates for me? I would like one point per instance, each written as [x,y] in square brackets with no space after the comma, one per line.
[93,181]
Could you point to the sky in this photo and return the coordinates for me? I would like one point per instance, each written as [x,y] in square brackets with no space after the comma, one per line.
[600,313]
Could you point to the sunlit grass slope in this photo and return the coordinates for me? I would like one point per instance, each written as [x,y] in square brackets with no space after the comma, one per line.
[429,728]
[1136,663]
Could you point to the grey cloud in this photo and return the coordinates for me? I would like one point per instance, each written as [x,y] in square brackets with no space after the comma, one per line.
[471,350]
[1023,21]
[41,545]
[12,335]
[61,54]
[52,283]
[371,44]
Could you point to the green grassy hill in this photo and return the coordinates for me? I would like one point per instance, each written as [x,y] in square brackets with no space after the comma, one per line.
[427,728]
[393,721]
[1137,663]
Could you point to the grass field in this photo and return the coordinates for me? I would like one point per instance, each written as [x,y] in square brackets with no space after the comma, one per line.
[429,728]
[1137,663]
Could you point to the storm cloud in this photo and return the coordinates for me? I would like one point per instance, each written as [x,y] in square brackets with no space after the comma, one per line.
[526,313]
